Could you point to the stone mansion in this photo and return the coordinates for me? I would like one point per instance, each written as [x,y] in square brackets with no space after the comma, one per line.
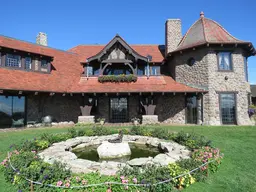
[198,78]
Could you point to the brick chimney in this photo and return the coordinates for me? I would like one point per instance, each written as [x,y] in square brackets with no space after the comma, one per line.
[41,39]
[173,34]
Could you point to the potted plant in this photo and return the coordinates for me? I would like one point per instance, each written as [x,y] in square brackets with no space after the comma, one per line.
[101,121]
[135,121]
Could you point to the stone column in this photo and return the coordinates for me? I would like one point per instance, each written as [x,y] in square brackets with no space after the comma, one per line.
[199,109]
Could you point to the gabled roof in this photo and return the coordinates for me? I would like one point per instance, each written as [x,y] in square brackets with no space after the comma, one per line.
[86,51]
[117,39]
[207,31]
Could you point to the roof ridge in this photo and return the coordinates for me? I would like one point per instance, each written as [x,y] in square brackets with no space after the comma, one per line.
[203,23]
[4,36]
[225,30]
[106,44]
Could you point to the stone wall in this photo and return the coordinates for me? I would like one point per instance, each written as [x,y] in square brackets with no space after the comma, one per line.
[235,82]
[171,108]
[204,73]
[60,108]
[196,74]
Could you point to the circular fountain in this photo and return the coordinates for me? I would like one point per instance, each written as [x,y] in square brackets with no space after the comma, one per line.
[107,154]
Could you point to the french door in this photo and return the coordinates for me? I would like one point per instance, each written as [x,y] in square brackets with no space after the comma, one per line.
[228,108]
[118,109]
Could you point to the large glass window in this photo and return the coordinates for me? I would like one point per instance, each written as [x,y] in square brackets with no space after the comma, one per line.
[13,60]
[224,60]
[12,111]
[228,108]
[246,69]
[28,62]
[191,111]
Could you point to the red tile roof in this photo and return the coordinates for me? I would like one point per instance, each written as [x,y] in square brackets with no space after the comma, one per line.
[143,84]
[86,51]
[24,46]
[67,69]
[66,76]
[205,31]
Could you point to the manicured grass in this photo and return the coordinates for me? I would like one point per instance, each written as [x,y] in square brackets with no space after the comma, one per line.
[237,172]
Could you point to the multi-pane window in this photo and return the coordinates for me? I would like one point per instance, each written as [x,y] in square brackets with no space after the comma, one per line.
[13,60]
[155,70]
[228,108]
[28,62]
[246,69]
[89,70]
[44,63]
[191,110]
[224,60]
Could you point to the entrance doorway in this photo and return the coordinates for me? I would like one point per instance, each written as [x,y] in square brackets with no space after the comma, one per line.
[118,109]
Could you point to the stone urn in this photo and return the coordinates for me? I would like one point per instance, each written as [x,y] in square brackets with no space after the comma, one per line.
[136,121]
[102,122]
[47,120]
[113,150]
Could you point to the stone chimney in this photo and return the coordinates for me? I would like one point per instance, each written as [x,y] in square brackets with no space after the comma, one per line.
[41,39]
[173,34]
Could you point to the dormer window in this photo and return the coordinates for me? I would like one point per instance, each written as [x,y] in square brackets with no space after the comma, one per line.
[89,70]
[141,70]
[13,61]
[224,61]
[28,63]
[44,63]
[155,70]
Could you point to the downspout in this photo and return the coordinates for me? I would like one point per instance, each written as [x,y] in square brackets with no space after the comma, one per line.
[87,69]
[148,69]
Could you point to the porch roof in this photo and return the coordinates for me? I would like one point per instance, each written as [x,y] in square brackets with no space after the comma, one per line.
[143,84]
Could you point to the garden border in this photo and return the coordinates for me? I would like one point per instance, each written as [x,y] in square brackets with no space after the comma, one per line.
[106,183]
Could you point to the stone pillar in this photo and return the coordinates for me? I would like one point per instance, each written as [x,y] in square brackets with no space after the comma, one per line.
[199,109]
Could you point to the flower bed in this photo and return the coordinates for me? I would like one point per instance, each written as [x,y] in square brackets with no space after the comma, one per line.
[26,163]
[117,78]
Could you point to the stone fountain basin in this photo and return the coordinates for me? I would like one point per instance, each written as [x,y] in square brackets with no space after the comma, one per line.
[61,152]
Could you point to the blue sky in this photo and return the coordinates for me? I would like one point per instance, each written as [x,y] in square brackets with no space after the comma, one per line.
[69,23]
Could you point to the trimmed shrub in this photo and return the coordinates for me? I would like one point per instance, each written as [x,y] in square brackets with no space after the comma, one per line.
[117,78]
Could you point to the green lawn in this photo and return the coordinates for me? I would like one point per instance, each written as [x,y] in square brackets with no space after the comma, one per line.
[237,173]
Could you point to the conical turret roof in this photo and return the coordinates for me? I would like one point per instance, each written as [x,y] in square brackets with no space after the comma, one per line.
[207,31]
